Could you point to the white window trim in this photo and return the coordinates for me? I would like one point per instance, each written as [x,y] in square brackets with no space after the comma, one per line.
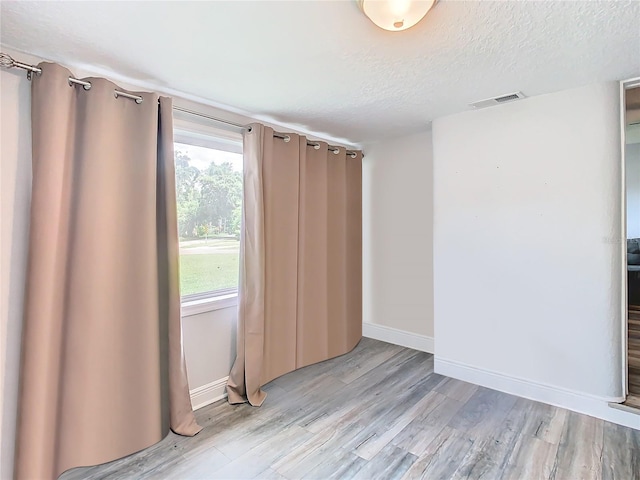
[198,131]
[208,304]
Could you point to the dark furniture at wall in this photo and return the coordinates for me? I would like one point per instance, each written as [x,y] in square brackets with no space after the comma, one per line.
[633,271]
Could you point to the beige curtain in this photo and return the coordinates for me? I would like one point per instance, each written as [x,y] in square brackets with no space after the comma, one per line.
[300,259]
[103,371]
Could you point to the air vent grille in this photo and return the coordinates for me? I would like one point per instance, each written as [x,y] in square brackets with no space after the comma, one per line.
[510,97]
[507,98]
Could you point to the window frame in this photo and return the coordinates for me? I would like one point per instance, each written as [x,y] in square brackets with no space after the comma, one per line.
[198,131]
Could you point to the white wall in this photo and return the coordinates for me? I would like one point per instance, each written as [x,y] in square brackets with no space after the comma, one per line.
[397,232]
[527,255]
[15,184]
[632,172]
[210,349]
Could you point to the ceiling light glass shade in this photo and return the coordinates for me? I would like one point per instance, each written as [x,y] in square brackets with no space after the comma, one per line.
[395,15]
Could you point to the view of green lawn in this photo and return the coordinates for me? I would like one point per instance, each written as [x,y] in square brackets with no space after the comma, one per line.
[209,207]
[207,265]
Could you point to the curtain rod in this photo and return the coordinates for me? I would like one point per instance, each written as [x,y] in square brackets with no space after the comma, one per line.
[282,136]
[7,61]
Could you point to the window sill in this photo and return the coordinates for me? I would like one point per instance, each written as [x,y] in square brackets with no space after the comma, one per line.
[196,307]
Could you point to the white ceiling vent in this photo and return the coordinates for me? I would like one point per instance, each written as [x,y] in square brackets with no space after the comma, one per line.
[510,97]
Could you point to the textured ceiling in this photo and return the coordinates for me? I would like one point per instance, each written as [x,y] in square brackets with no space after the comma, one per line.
[323,67]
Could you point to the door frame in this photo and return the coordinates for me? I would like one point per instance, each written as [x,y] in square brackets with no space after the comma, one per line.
[624,86]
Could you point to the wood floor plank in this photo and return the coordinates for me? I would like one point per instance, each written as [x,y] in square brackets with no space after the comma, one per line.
[442,457]
[358,424]
[581,448]
[621,453]
[355,366]
[546,422]
[256,462]
[494,444]
[381,418]
[249,432]
[343,465]
[367,355]
[483,412]
[532,459]
[194,466]
[133,466]
[267,474]
[380,412]
[240,470]
[306,458]
[260,457]
[366,392]
[378,441]
[456,389]
[633,401]
[389,464]
[417,436]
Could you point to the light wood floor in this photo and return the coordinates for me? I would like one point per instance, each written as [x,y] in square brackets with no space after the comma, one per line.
[380,412]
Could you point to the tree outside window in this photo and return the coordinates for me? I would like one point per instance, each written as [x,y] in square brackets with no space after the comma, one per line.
[209,204]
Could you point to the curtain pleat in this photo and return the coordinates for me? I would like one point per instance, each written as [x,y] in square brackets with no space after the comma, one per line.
[246,373]
[313,263]
[301,259]
[175,394]
[336,238]
[103,371]
[280,170]
[353,264]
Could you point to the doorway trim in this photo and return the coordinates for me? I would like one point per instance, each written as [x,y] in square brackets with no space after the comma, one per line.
[624,86]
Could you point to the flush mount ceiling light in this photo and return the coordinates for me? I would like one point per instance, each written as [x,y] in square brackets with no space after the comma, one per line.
[395,15]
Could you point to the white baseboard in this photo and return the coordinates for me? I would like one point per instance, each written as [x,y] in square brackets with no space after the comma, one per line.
[398,337]
[591,405]
[209,393]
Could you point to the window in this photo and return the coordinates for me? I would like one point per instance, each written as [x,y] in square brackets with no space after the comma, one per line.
[209,204]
